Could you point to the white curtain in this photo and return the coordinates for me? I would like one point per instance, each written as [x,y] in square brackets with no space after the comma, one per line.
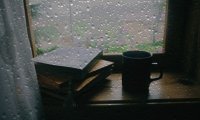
[19,91]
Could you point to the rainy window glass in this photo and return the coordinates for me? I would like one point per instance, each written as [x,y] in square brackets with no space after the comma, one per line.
[111,25]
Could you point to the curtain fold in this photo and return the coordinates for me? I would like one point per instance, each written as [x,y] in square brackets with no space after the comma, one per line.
[19,91]
[192,43]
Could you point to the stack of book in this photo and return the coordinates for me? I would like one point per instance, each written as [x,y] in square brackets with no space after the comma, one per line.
[74,70]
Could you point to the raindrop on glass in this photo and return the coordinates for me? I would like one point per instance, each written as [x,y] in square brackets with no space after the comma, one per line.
[3,116]
[88,9]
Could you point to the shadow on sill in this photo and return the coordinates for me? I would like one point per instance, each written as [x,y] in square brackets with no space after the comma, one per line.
[168,100]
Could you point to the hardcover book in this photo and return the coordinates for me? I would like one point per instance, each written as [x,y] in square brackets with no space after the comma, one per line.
[58,81]
[91,81]
[79,88]
[74,61]
[100,66]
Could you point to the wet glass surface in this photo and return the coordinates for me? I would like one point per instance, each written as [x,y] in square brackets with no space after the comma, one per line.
[111,25]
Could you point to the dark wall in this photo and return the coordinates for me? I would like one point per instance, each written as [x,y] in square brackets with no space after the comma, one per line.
[178,11]
[182,34]
[191,50]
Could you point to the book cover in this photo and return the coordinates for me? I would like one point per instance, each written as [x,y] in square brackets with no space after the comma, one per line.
[100,66]
[52,81]
[75,61]
[91,81]
[79,88]
[56,81]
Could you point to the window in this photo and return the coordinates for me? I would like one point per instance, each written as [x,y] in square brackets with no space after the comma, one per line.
[112,25]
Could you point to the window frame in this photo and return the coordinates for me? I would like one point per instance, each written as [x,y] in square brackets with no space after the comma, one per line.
[29,27]
[172,53]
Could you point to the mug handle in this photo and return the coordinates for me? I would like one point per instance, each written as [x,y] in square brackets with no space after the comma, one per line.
[160,71]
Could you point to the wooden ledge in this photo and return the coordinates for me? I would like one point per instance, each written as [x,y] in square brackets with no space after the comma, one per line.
[167,90]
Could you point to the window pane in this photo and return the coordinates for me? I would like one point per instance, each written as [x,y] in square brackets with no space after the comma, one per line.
[112,25]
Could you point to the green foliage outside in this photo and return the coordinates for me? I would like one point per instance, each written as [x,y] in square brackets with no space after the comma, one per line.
[80,28]
[117,48]
[50,32]
[46,33]
[112,34]
[112,48]
[150,47]
[41,51]
[34,10]
[109,47]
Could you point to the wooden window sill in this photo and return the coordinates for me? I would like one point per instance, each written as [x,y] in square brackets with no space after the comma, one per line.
[168,90]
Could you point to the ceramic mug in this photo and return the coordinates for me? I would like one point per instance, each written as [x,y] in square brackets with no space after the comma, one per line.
[137,69]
